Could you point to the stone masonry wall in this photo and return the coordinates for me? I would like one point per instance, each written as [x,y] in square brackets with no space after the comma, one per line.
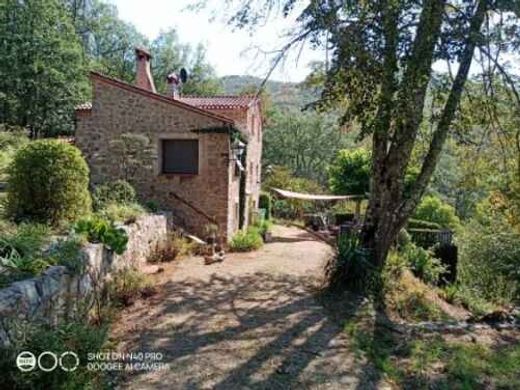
[116,111]
[56,293]
[250,122]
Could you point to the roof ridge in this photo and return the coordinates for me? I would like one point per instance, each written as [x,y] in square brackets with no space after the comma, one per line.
[160,97]
[218,96]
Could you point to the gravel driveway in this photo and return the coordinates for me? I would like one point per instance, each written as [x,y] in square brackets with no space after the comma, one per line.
[250,322]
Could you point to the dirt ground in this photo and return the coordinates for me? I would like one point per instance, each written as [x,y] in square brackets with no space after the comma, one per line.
[252,321]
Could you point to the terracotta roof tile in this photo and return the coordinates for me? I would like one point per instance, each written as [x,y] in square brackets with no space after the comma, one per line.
[219,102]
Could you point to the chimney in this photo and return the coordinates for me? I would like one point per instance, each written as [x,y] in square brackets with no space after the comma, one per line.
[143,78]
[173,85]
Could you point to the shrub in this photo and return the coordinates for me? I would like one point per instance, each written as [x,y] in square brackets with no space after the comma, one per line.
[66,252]
[152,206]
[100,230]
[433,209]
[264,227]
[127,285]
[77,336]
[48,183]
[351,266]
[264,202]
[489,262]
[245,241]
[173,247]
[20,250]
[422,263]
[119,192]
[127,213]
[419,224]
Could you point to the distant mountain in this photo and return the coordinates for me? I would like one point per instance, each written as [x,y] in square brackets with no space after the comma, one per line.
[284,95]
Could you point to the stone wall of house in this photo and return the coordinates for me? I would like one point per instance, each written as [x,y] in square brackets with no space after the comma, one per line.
[250,122]
[116,110]
[56,293]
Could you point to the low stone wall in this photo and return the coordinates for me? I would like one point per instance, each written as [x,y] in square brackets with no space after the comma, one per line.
[57,293]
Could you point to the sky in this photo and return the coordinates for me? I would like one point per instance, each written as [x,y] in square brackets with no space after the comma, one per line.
[230,52]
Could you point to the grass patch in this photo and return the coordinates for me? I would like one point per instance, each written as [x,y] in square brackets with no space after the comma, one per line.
[433,362]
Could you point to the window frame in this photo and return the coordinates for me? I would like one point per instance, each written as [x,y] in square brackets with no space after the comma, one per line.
[162,144]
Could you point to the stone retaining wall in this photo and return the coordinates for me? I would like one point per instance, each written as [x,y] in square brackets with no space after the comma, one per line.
[58,292]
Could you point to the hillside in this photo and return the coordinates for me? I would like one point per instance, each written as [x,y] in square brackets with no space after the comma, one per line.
[285,94]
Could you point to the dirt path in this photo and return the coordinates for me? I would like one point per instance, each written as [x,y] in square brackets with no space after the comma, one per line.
[250,322]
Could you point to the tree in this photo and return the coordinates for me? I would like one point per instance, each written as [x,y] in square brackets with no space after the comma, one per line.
[381,68]
[304,143]
[349,173]
[169,55]
[135,152]
[43,74]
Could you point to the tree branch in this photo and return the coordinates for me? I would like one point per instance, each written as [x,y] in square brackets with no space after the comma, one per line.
[448,114]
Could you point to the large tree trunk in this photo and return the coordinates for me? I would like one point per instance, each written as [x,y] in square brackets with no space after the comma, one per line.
[388,210]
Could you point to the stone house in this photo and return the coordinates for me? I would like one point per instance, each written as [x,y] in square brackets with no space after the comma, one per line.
[205,161]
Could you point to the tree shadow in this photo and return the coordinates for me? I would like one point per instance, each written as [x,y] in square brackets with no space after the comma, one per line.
[255,330]
[300,237]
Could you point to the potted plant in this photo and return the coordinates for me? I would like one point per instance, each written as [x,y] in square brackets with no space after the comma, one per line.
[210,233]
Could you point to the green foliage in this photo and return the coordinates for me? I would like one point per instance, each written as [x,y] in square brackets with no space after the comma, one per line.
[281,177]
[99,230]
[351,266]
[265,202]
[304,143]
[76,336]
[48,183]
[245,241]
[171,55]
[126,213]
[10,142]
[118,191]
[172,248]
[152,206]
[43,73]
[489,262]
[21,250]
[264,226]
[131,153]
[349,173]
[422,262]
[420,224]
[433,209]
[66,252]
[127,285]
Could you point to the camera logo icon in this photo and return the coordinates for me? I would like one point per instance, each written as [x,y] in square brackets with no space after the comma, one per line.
[26,361]
[47,361]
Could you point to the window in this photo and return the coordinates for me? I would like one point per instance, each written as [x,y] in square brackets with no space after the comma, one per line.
[180,156]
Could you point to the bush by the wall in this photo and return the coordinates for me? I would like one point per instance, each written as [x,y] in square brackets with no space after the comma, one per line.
[264,202]
[126,213]
[245,241]
[419,224]
[48,183]
[99,230]
[119,191]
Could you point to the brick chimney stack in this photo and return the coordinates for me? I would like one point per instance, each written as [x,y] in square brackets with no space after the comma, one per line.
[143,78]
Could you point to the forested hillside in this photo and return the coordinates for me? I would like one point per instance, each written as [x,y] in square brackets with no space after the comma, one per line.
[285,95]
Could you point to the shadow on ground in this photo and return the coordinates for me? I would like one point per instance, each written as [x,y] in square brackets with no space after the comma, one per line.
[256,331]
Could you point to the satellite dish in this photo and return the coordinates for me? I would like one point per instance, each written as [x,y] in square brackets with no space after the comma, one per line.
[184,75]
